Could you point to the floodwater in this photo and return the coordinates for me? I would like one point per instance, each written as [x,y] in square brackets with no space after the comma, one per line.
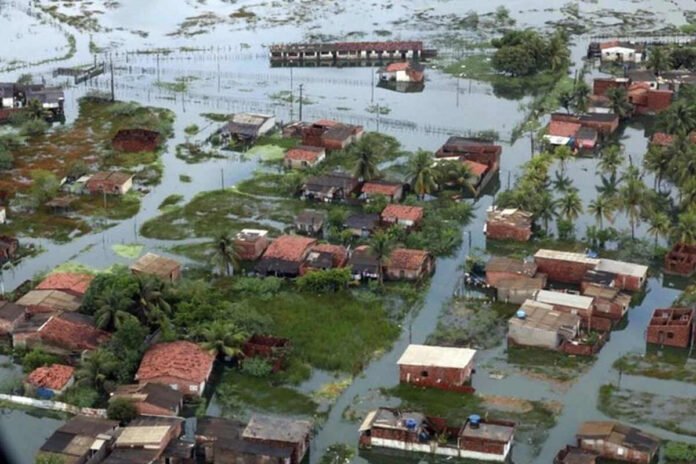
[232,73]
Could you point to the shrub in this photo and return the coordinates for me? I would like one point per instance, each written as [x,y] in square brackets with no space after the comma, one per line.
[122,410]
[6,160]
[257,367]
[80,396]
[192,129]
[37,358]
[34,127]
[329,280]
[680,452]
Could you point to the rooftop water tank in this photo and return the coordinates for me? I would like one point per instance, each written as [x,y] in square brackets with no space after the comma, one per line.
[411,424]
[521,314]
[474,421]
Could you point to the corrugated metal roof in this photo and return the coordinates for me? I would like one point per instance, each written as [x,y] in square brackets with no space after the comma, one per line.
[564,299]
[566,256]
[437,356]
[623,268]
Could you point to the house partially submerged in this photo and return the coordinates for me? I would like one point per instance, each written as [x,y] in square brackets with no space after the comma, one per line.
[363,264]
[476,439]
[81,439]
[406,264]
[405,216]
[272,349]
[610,302]
[48,381]
[440,367]
[288,434]
[613,440]
[671,327]
[136,140]
[331,135]
[562,132]
[325,256]
[304,157]
[629,276]
[362,224]
[681,260]
[402,71]
[151,399]
[508,224]
[570,303]
[182,365]
[11,314]
[69,282]
[166,269]
[251,243]
[499,269]
[392,191]
[482,157]
[563,266]
[336,186]
[111,183]
[247,127]
[622,52]
[284,256]
[539,325]
[310,222]
[574,455]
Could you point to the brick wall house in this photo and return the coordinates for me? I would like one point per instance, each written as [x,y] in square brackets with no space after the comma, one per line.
[671,327]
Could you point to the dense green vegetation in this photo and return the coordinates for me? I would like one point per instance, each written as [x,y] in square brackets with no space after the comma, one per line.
[526,52]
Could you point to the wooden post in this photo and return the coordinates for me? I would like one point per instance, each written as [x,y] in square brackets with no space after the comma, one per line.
[301,86]
[113,95]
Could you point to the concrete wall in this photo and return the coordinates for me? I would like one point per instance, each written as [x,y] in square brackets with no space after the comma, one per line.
[530,336]
[569,272]
[672,335]
[498,231]
[437,377]
[53,405]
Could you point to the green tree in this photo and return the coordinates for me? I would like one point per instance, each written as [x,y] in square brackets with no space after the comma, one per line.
[581,95]
[602,208]
[546,210]
[381,246]
[566,98]
[223,338]
[558,53]
[609,185]
[112,309]
[611,159]
[685,230]
[455,173]
[44,186]
[660,226]
[679,119]
[37,358]
[631,196]
[151,305]
[98,367]
[618,102]
[322,281]
[570,205]
[562,153]
[49,458]
[562,183]
[366,166]
[35,109]
[659,60]
[421,173]
[657,161]
[225,255]
[122,410]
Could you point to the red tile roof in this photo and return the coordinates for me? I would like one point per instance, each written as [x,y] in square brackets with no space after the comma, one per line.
[393,67]
[381,188]
[54,377]
[182,360]
[662,139]
[339,252]
[67,331]
[327,123]
[476,169]
[67,282]
[610,44]
[304,153]
[289,248]
[403,258]
[563,129]
[402,212]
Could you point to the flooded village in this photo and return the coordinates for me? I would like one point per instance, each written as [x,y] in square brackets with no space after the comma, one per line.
[309,232]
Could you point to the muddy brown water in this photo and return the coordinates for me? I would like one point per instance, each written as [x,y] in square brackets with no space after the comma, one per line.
[234,77]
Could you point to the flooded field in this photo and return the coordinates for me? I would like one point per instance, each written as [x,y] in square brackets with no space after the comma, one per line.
[209,56]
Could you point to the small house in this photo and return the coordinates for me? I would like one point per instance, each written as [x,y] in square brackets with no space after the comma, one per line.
[601,85]
[64,334]
[570,303]
[508,224]
[402,71]
[285,256]
[482,157]
[69,282]
[646,100]
[47,301]
[476,439]
[516,290]
[539,325]
[149,439]
[629,276]
[136,140]
[7,95]
[166,269]
[440,367]
[405,216]
[111,183]
[610,302]
[603,123]
[586,138]
[251,243]
[329,187]
[564,266]
[81,439]
[574,455]
[562,132]
[500,268]
[331,135]
[642,76]
[325,256]
[247,127]
[49,381]
[8,248]
[363,264]
[279,432]
[362,225]
[392,191]
[405,264]
[11,314]
[182,365]
[613,440]
[310,222]
[671,327]
[151,399]
[681,260]
[304,157]
[622,52]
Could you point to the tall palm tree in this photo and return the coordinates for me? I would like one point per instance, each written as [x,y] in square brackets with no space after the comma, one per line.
[570,205]
[225,254]
[685,231]
[381,246]
[96,368]
[659,60]
[679,119]
[657,161]
[618,102]
[609,185]
[562,183]
[366,167]
[112,309]
[611,159]
[660,226]
[558,52]
[631,197]
[455,173]
[582,94]
[602,208]
[563,153]
[151,303]
[223,338]
[421,173]
[546,210]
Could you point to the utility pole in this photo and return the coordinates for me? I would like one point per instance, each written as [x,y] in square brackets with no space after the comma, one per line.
[158,69]
[222,178]
[301,86]
[377,117]
[372,87]
[292,103]
[458,79]
[113,94]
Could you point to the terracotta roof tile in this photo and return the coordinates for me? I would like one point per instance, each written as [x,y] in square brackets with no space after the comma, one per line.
[304,153]
[381,188]
[476,169]
[402,212]
[72,332]
[66,281]
[401,66]
[339,252]
[403,258]
[182,360]
[563,129]
[54,377]
[289,248]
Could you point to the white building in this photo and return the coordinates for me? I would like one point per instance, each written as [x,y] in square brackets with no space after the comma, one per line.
[621,52]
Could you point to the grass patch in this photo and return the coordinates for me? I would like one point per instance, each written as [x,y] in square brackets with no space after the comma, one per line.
[180,84]
[216,117]
[185,179]
[116,207]
[129,251]
[669,364]
[192,153]
[278,141]
[171,200]
[200,252]
[548,364]
[267,152]
[238,393]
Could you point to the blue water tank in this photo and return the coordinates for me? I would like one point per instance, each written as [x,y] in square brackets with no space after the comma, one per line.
[475,419]
[411,424]
[521,314]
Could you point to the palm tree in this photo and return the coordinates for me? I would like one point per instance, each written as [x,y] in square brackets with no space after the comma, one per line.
[660,226]
[381,246]
[421,173]
[562,153]
[657,161]
[112,309]
[601,208]
[546,209]
[582,96]
[566,99]
[223,338]
[659,60]
[631,197]
[366,168]
[611,159]
[558,51]
[618,102]
[225,254]
[562,183]
[685,231]
[150,300]
[570,205]
[609,185]
[455,173]
[679,119]
[96,368]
